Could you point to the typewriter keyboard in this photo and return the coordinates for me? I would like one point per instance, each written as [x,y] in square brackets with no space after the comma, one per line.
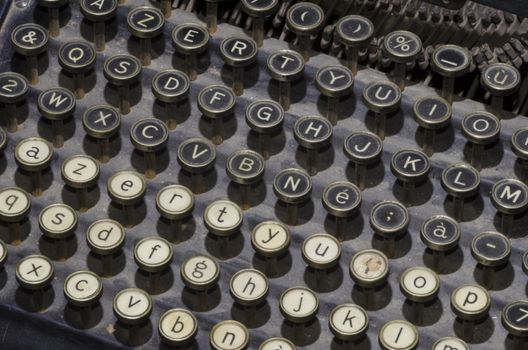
[262,174]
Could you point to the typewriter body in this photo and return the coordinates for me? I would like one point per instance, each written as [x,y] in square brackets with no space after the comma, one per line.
[196,174]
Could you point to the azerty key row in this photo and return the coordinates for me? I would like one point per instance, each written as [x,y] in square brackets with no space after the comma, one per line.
[197,157]
[248,287]
[389,221]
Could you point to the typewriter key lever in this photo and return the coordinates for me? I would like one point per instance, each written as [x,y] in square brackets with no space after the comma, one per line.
[53,7]
[515,321]
[382,98]
[402,47]
[500,80]
[30,40]
[305,19]
[354,32]
[145,23]
[99,12]
[57,105]
[259,10]
[13,90]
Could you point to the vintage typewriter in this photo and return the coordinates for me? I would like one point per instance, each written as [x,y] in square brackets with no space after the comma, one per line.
[263,174]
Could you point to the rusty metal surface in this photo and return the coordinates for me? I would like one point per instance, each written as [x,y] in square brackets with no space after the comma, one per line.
[48,329]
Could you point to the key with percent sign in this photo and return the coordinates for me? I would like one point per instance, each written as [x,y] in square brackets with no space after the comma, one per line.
[402,48]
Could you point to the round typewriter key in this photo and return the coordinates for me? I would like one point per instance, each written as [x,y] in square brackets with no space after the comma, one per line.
[80,172]
[132,308]
[509,197]
[102,122]
[362,148]
[99,12]
[354,32]
[277,343]
[292,187]
[122,70]
[35,273]
[217,102]
[470,303]
[13,90]
[500,80]
[15,205]
[149,136]
[229,335]
[30,40]
[177,327]
[200,273]
[480,129]
[249,289]
[491,250]
[77,58]
[245,168]
[3,253]
[259,10]
[58,222]
[145,23]
[53,14]
[265,118]
[441,234]
[321,252]
[450,343]
[56,105]
[313,134]
[389,220]
[299,305]
[271,240]
[431,113]
[171,87]
[211,15]
[153,255]
[401,47]
[348,322]
[419,285]
[341,199]
[460,181]
[381,98]
[519,145]
[175,203]
[83,289]
[411,168]
[127,188]
[223,219]
[196,156]
[34,155]
[285,66]
[238,53]
[450,61]
[335,83]
[369,269]
[190,40]
[398,335]
[105,238]
[305,19]
[515,321]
